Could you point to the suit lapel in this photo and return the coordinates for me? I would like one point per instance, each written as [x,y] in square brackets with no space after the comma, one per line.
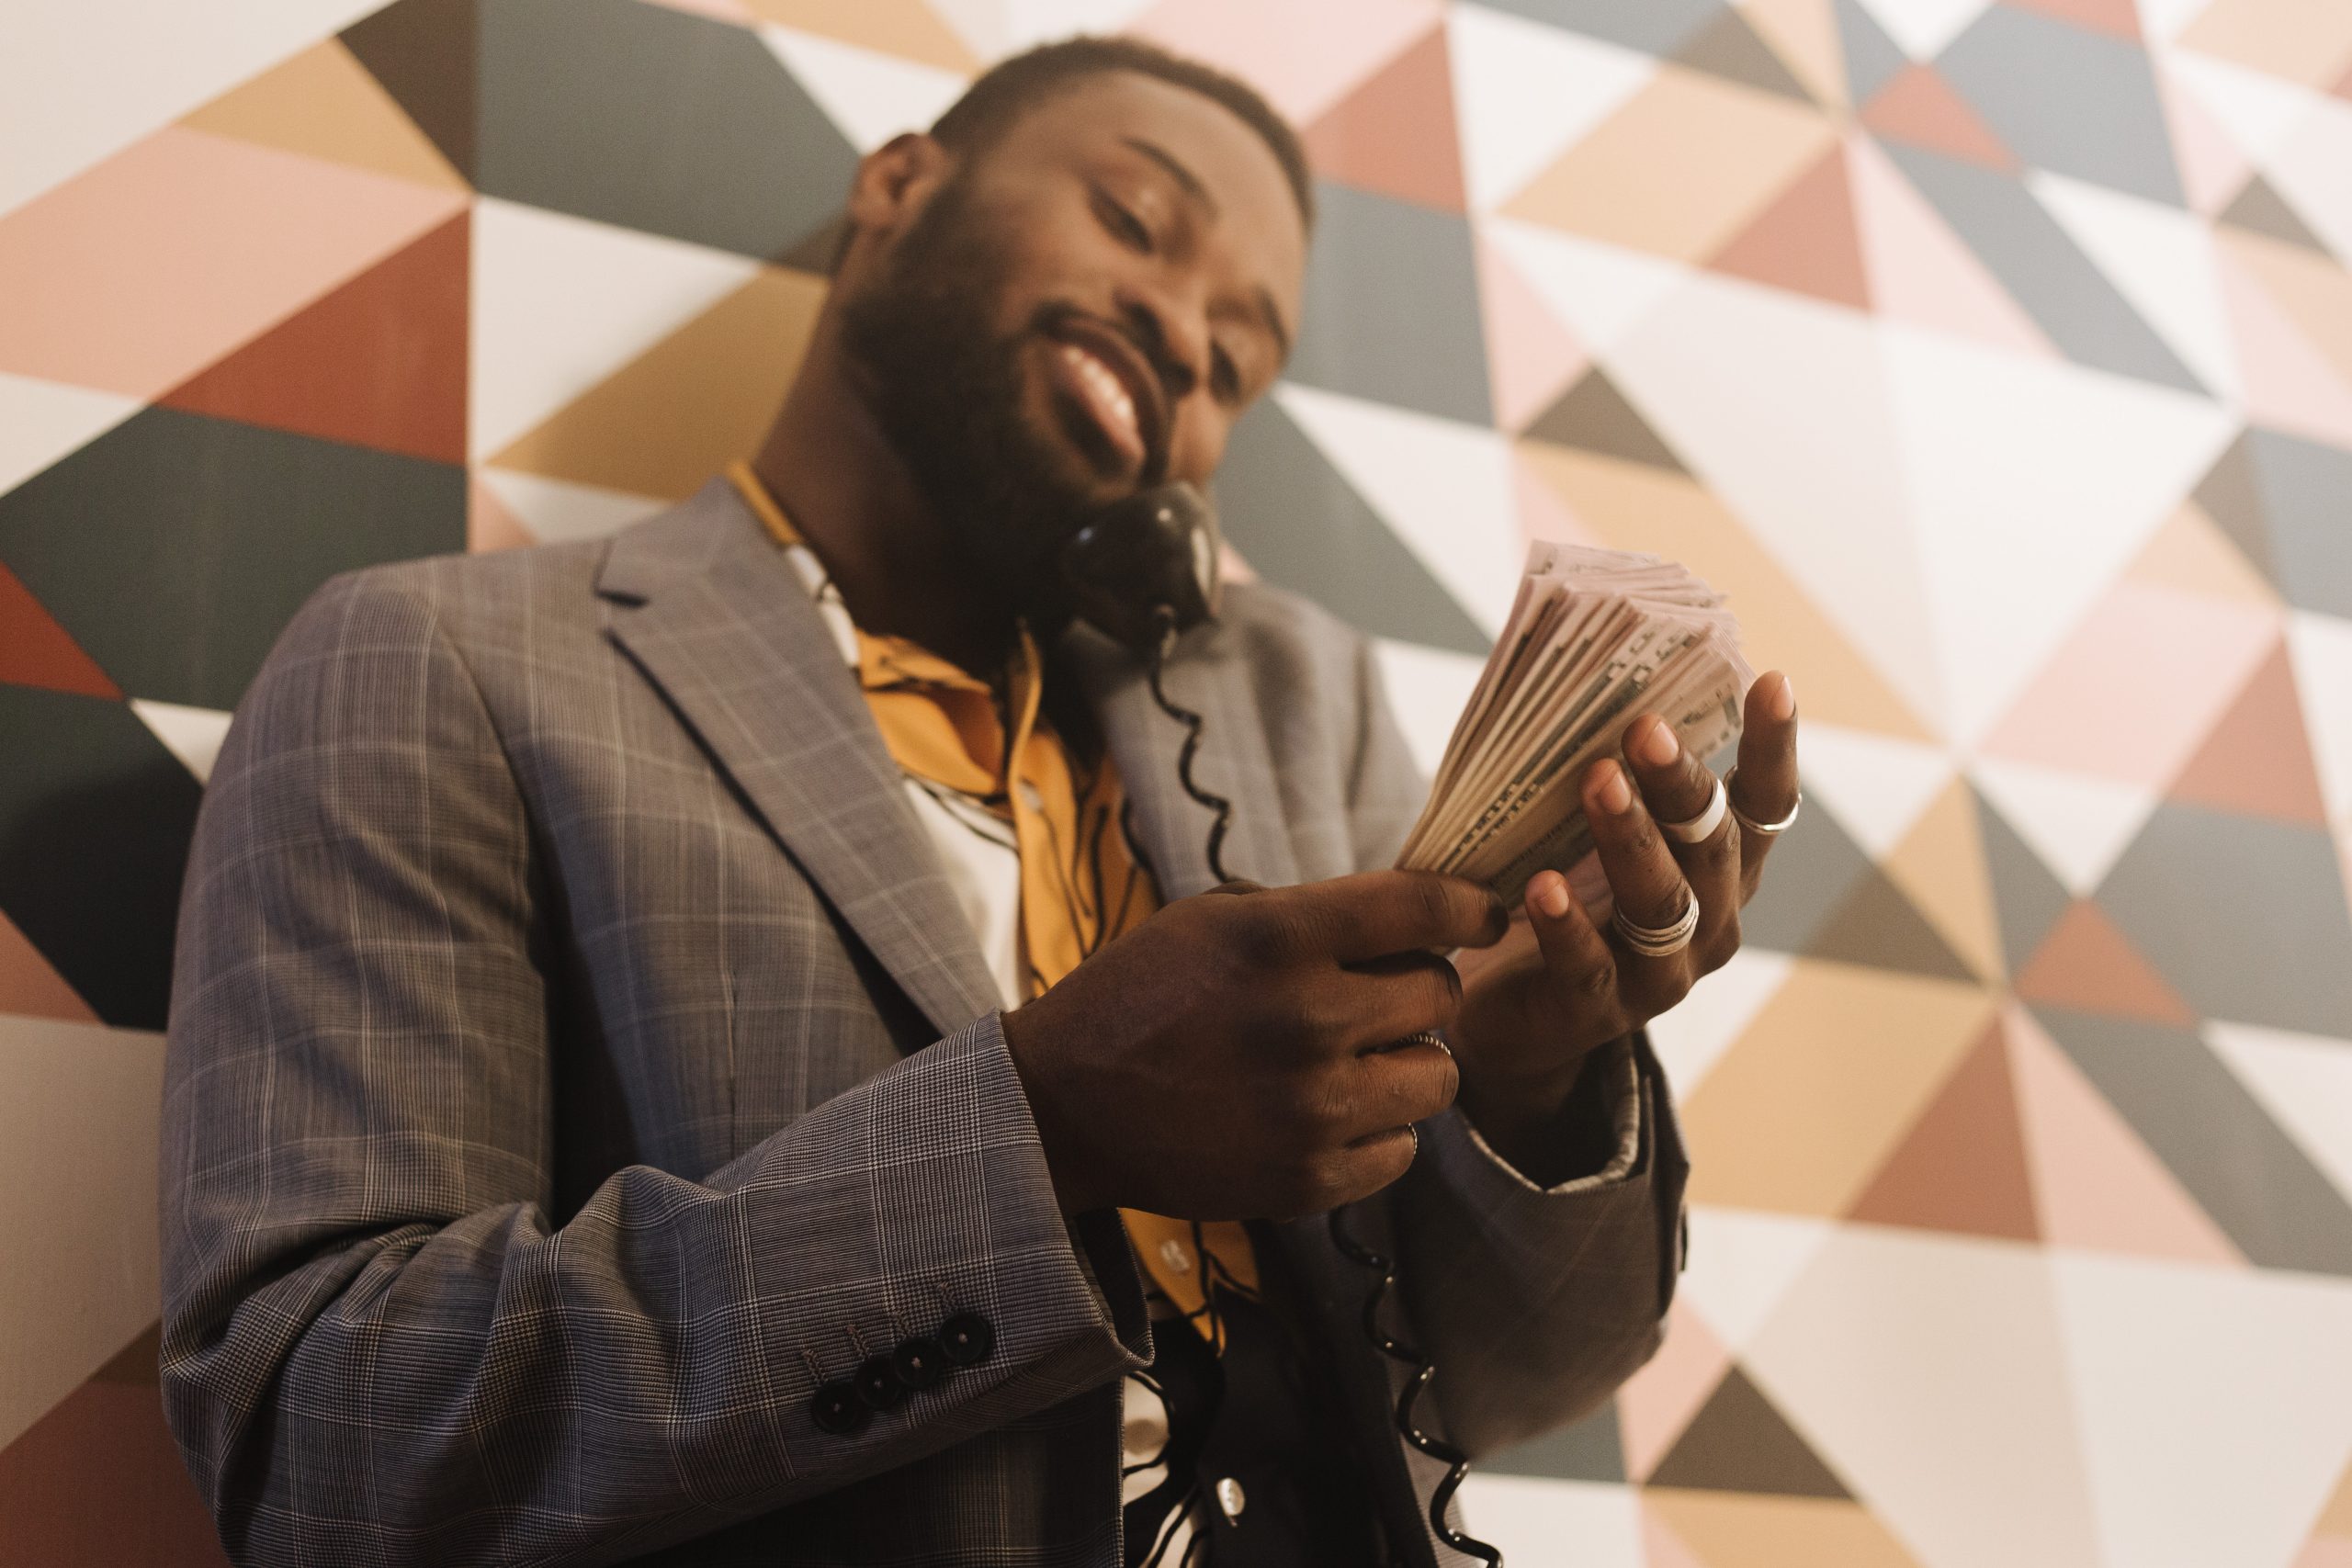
[1233,759]
[714,615]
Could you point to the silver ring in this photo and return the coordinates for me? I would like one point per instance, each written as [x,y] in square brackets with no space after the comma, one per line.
[1424,1037]
[1702,828]
[1661,942]
[1748,824]
[1417,1140]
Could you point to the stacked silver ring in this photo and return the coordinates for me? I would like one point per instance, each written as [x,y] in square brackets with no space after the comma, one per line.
[1659,942]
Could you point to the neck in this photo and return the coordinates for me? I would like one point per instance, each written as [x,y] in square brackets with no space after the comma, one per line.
[852,500]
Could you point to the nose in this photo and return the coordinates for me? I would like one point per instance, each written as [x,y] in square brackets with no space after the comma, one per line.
[1174,336]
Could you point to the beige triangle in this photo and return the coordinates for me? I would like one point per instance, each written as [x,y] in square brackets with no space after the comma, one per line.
[903,27]
[2335,1519]
[1939,866]
[2313,291]
[1742,1529]
[2190,553]
[1811,1100]
[1803,33]
[325,104]
[696,401]
[1637,506]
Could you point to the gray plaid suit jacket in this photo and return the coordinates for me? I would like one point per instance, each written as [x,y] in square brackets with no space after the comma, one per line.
[576,1056]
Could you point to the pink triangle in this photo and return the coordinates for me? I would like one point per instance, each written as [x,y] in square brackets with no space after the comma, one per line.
[490,524]
[2213,169]
[1657,1402]
[2289,384]
[1530,357]
[2096,1183]
[1920,272]
[1306,55]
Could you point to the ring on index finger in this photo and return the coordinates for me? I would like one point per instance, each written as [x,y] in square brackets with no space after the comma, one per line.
[1659,942]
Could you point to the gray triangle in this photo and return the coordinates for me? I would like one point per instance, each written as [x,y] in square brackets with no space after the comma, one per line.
[1815,866]
[1739,1441]
[1587,1449]
[1729,48]
[1878,926]
[2190,1109]
[1593,416]
[2260,209]
[1301,525]
[2027,899]
[2232,497]
[2304,486]
[1871,58]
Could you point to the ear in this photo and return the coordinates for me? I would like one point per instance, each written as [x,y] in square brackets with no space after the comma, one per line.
[895,180]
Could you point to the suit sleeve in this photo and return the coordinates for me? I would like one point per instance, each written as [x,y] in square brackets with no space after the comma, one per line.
[377,1348]
[1534,1302]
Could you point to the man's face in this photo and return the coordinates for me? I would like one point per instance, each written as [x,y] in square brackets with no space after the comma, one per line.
[1081,310]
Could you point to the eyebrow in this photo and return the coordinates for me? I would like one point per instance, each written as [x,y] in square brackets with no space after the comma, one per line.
[1190,184]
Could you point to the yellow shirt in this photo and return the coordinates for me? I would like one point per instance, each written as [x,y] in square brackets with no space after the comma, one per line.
[1080,884]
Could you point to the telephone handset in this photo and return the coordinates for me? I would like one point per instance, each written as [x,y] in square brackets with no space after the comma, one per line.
[1141,571]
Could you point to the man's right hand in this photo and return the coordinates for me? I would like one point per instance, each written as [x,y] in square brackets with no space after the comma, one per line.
[1227,1058]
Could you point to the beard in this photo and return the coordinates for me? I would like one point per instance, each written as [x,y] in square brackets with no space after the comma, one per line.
[947,391]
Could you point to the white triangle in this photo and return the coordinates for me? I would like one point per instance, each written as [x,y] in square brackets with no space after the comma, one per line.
[1924,27]
[78,1152]
[1931,1371]
[1743,1262]
[1537,1522]
[41,422]
[2163,20]
[1876,785]
[2303,1080]
[2320,649]
[1443,488]
[2215,1405]
[1601,291]
[2078,825]
[1523,93]
[2033,484]
[1691,1036]
[2161,259]
[1778,402]
[193,735]
[995,28]
[80,80]
[562,302]
[1428,688]
[870,95]
[2256,109]
[2313,170]
[559,512]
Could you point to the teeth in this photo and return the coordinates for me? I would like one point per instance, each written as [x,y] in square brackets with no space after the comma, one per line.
[1109,394]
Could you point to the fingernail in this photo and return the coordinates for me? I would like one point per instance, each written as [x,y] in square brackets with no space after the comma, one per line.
[1659,747]
[1784,701]
[1614,794]
[1552,895]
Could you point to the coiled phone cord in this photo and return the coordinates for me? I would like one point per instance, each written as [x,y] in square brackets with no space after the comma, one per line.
[1457,1463]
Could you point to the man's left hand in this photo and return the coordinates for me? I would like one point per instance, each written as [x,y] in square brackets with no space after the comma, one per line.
[1536,1003]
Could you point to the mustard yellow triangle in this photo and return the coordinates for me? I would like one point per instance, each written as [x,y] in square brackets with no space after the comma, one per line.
[905,28]
[1808,1102]
[1939,866]
[682,409]
[325,104]
[1743,1529]
[1803,33]
[1634,506]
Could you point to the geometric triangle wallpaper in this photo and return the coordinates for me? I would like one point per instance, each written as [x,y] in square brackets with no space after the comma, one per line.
[1996,356]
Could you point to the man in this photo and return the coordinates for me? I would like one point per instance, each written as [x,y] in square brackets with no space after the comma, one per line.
[720,1046]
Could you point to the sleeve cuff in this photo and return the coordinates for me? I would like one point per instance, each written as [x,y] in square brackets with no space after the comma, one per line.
[1614,1074]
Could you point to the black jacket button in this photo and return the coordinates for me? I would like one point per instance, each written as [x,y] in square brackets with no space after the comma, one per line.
[920,1360]
[968,1337]
[877,1382]
[837,1407]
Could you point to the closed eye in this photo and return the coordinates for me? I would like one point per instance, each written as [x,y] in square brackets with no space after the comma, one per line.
[1124,224]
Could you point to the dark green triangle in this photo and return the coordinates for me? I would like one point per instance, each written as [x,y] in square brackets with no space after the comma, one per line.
[424,53]
[2231,493]
[1593,416]
[1878,926]
[1740,1442]
[1729,48]
[1589,1450]
[2260,209]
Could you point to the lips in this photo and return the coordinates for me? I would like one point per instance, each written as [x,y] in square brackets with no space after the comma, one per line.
[1107,379]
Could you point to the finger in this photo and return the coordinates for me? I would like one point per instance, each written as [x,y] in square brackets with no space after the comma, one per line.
[1643,876]
[1365,1167]
[1392,1087]
[1386,999]
[1678,788]
[1764,786]
[1576,955]
[1374,913]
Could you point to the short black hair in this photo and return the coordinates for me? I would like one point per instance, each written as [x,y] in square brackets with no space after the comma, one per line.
[1019,83]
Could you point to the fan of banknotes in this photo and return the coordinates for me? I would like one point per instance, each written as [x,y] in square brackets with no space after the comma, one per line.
[1595,638]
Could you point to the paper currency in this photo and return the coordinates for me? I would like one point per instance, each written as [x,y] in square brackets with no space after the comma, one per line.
[1595,637]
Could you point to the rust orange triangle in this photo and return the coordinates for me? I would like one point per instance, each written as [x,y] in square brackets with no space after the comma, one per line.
[1962,1165]
[2257,760]
[2085,963]
[1919,109]
[36,651]
[1395,133]
[1807,240]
